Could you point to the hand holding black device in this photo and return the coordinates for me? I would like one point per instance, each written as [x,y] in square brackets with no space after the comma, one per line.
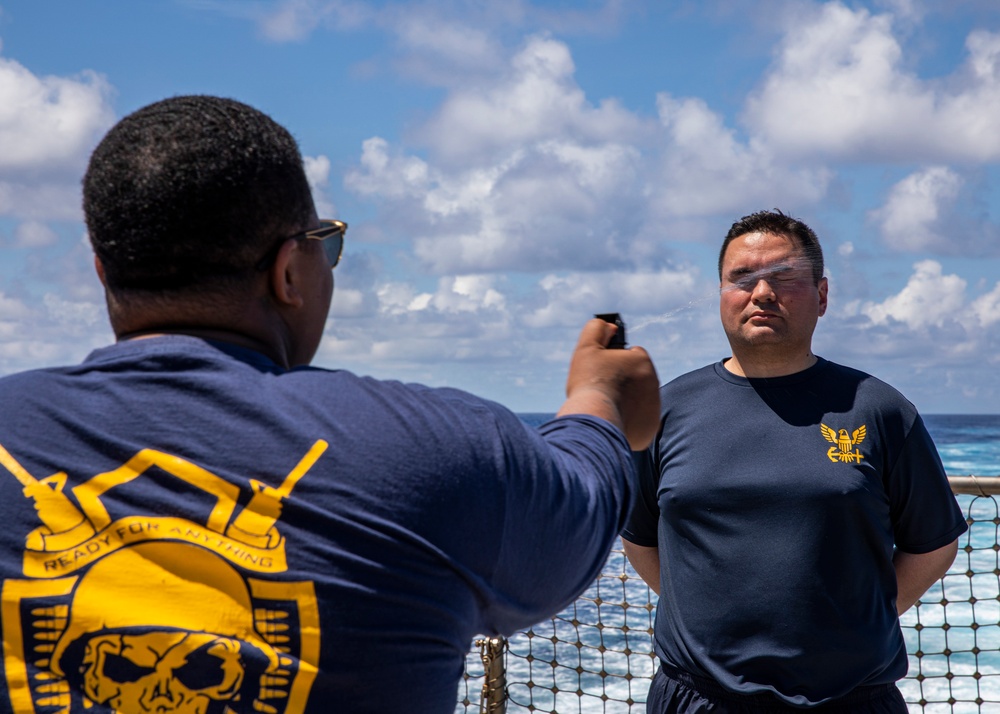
[618,341]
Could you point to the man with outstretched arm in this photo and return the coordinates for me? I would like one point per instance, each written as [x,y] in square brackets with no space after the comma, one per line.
[789,508]
[195,519]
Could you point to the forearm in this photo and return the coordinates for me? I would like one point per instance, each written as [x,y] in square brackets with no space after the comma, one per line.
[917,572]
[594,402]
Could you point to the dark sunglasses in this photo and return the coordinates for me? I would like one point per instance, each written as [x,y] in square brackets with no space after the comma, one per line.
[330,232]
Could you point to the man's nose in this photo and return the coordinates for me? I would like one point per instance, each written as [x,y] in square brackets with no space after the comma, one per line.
[762,291]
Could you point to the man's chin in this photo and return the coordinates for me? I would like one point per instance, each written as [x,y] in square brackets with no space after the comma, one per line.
[761,335]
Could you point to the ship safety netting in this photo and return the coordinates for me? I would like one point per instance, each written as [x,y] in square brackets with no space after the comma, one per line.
[597,655]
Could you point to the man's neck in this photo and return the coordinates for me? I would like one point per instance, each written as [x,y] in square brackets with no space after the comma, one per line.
[250,326]
[235,338]
[760,366]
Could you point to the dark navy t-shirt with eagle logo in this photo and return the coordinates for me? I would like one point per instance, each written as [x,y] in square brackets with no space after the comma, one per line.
[776,505]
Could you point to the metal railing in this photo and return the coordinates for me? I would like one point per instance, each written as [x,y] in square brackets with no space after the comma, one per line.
[597,655]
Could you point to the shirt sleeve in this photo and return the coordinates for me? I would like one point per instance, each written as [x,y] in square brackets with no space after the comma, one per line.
[567,498]
[641,527]
[924,512]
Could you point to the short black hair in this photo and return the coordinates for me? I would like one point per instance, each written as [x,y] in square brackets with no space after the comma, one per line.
[777,223]
[191,191]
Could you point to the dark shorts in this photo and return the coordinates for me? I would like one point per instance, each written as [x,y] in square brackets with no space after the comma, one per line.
[676,692]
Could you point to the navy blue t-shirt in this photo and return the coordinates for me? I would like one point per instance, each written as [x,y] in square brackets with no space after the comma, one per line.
[185,521]
[776,505]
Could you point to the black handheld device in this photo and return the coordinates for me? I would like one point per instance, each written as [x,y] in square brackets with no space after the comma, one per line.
[618,341]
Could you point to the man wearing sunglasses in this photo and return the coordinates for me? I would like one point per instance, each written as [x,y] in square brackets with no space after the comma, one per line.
[195,519]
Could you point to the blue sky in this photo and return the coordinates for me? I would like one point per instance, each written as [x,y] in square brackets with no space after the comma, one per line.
[510,168]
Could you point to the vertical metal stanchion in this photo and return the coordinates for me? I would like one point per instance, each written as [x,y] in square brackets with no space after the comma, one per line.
[493,699]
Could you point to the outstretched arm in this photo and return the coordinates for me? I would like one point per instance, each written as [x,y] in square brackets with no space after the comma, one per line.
[915,572]
[567,503]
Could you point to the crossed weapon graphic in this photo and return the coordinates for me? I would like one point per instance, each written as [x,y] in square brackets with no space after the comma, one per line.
[64,525]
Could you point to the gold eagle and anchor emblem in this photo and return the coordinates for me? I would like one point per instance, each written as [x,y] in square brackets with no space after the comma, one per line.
[845,442]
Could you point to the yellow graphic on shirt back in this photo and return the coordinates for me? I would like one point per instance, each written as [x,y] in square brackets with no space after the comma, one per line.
[153,613]
[844,443]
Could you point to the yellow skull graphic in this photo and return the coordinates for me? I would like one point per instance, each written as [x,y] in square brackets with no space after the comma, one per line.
[162,671]
[163,627]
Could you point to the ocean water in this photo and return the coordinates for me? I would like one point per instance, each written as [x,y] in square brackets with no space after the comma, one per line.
[596,655]
[953,637]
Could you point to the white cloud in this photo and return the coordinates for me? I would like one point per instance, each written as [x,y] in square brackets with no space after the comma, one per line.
[12,309]
[930,339]
[907,10]
[840,87]
[33,234]
[468,293]
[48,126]
[911,219]
[930,298]
[984,55]
[49,123]
[58,331]
[437,41]
[291,20]
[39,200]
[433,43]
[939,211]
[536,100]
[441,49]
[523,174]
[294,20]
[526,174]
[456,294]
[318,175]
[463,319]
[986,308]
[706,170]
[476,331]
[317,171]
[389,176]
[73,313]
[567,297]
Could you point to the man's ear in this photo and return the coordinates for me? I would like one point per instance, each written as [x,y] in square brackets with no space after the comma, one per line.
[99,269]
[285,274]
[824,287]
